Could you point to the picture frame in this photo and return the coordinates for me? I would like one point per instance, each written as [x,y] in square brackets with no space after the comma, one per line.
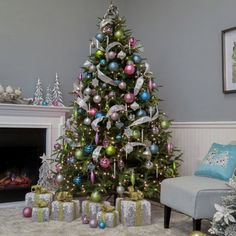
[229,60]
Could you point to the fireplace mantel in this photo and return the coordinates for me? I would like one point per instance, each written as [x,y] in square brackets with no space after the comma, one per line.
[30,116]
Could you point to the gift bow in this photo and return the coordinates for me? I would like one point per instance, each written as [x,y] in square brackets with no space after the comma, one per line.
[40,203]
[63,197]
[38,189]
[107,208]
[135,195]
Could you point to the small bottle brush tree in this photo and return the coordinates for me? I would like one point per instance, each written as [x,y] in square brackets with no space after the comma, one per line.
[116,135]
[38,94]
[57,94]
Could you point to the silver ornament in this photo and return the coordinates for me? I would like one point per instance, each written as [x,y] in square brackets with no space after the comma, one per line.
[120,190]
[104,85]
[59,178]
[97,98]
[122,85]
[115,116]
[87,121]
[134,106]
[149,165]
[87,91]
[147,154]
[111,55]
[112,94]
[131,117]
[92,68]
[155,130]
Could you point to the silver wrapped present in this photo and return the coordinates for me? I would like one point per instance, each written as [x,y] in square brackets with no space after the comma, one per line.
[31,197]
[40,214]
[110,218]
[91,209]
[134,213]
[65,211]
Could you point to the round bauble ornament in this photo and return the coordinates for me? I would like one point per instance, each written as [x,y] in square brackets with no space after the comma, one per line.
[144,96]
[129,97]
[112,94]
[104,85]
[58,168]
[57,146]
[118,137]
[92,68]
[114,116]
[110,150]
[132,41]
[121,164]
[77,180]
[116,81]
[104,162]
[165,124]
[85,219]
[108,30]
[122,85]
[154,148]
[155,130]
[87,121]
[147,154]
[141,113]
[137,59]
[93,223]
[154,85]
[96,196]
[92,111]
[27,212]
[197,233]
[45,103]
[111,55]
[149,165]
[113,66]
[100,37]
[120,190]
[79,154]
[102,62]
[71,160]
[119,35]
[88,75]
[88,149]
[59,178]
[97,98]
[136,134]
[170,147]
[99,114]
[87,91]
[129,69]
[102,225]
[99,54]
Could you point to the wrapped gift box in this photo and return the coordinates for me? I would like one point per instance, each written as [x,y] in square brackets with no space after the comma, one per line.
[31,197]
[40,214]
[91,209]
[65,211]
[110,218]
[134,213]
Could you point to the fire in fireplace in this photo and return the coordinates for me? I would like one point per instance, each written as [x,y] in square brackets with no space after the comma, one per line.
[20,149]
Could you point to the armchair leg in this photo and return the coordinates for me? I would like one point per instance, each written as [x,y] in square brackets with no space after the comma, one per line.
[197,224]
[167,213]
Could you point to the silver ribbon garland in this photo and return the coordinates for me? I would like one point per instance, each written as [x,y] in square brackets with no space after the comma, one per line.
[97,44]
[105,22]
[87,63]
[96,153]
[111,45]
[104,77]
[115,108]
[138,85]
[94,124]
[129,147]
[147,68]
[82,103]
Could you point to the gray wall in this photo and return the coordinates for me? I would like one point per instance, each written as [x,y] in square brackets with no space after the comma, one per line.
[182,41]
[181,38]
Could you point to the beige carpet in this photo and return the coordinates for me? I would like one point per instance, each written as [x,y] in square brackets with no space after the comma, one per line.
[13,224]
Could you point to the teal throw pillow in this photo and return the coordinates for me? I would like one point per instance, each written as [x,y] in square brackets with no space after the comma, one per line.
[219,163]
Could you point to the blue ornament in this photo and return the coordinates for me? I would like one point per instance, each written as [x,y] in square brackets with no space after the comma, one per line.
[71,160]
[88,149]
[102,225]
[141,113]
[88,75]
[136,58]
[144,96]
[100,37]
[77,180]
[118,137]
[113,66]
[45,103]
[154,148]
[102,62]
[116,81]
[99,114]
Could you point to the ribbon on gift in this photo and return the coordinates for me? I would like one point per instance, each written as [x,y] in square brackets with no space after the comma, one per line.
[134,195]
[38,189]
[111,210]
[39,204]
[87,208]
[138,213]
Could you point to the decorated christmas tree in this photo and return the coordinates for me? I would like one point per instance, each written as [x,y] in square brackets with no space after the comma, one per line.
[116,136]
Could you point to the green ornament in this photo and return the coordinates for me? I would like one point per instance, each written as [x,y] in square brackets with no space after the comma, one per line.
[79,154]
[132,178]
[65,147]
[136,134]
[75,113]
[174,165]
[119,35]
[99,53]
[110,150]
[96,196]
[165,124]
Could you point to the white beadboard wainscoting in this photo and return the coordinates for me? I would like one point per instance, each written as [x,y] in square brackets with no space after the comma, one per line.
[195,138]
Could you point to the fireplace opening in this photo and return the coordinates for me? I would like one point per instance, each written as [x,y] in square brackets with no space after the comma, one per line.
[20,149]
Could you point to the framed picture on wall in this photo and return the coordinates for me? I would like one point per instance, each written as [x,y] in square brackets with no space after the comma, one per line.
[229,60]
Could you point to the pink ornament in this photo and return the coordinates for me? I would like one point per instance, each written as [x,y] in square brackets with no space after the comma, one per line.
[170,147]
[58,168]
[129,69]
[111,55]
[111,94]
[27,212]
[105,143]
[122,85]
[150,85]
[96,138]
[129,97]
[132,41]
[57,146]
[92,177]
[92,111]
[154,85]
[104,162]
